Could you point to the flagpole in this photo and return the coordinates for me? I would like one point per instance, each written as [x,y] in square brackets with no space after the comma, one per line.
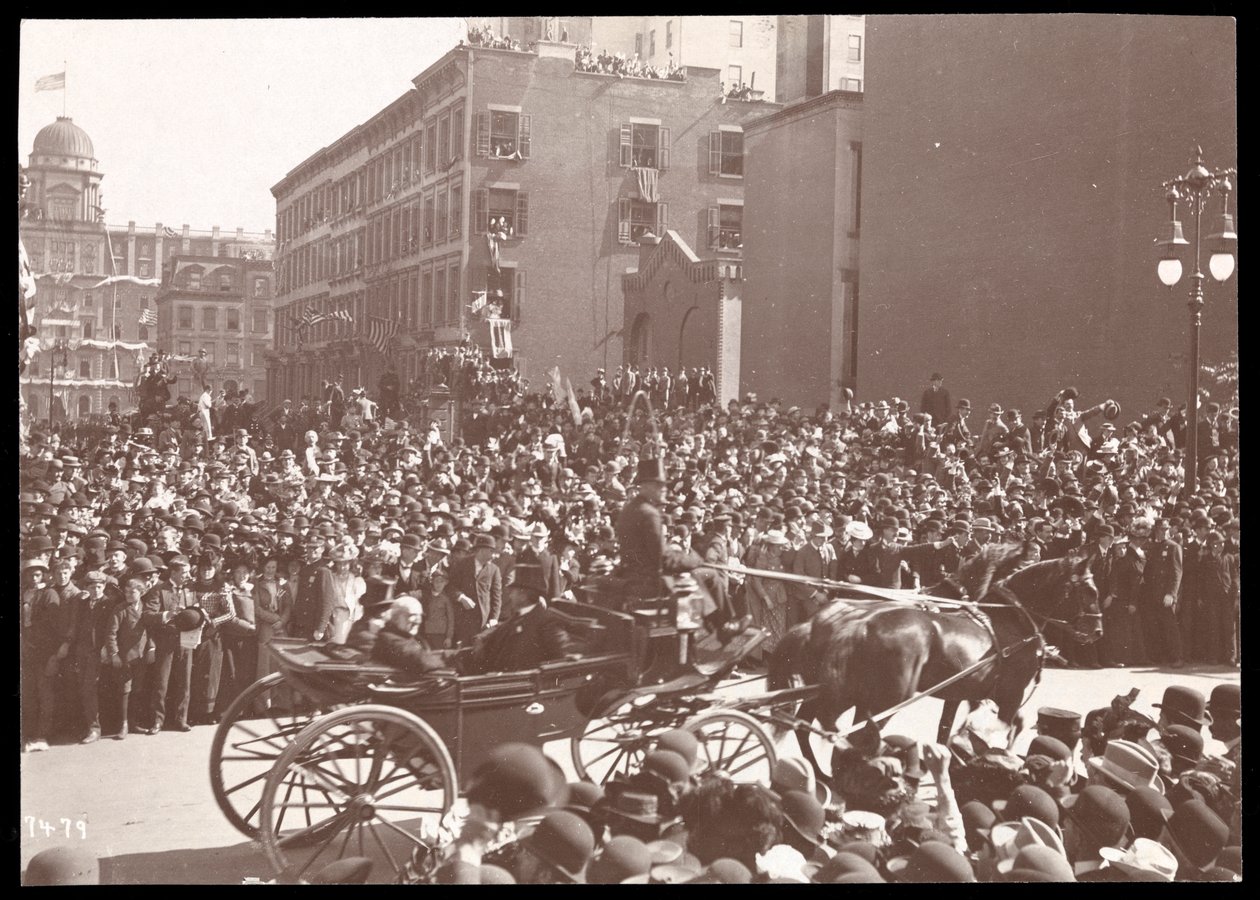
[65,87]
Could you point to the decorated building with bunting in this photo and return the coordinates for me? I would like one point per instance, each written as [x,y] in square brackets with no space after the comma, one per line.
[94,311]
[498,201]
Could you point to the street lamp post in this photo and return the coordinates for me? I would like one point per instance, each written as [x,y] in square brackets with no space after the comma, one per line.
[1194,188]
[58,350]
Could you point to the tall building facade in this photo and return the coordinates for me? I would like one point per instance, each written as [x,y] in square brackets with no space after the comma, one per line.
[804,224]
[222,305]
[97,284]
[508,176]
[1020,197]
[819,53]
[742,48]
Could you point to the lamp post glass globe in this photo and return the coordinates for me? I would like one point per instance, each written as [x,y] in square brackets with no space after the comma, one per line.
[1221,266]
[1169,271]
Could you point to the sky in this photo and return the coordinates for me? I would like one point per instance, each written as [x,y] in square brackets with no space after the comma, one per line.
[193,121]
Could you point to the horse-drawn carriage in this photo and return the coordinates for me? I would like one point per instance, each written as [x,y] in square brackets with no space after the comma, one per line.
[337,755]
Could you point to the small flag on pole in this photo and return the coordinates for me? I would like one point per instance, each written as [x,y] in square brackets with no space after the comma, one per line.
[148,318]
[52,82]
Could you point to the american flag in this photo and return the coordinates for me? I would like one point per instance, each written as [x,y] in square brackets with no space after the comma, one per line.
[378,331]
[148,318]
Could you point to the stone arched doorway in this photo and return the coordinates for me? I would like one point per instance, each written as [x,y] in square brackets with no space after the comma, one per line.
[639,350]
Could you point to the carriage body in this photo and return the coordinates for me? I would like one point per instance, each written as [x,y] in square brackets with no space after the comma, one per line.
[333,744]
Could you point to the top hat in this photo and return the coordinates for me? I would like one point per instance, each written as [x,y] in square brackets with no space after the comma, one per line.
[650,470]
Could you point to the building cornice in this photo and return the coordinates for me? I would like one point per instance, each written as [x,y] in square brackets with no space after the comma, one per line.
[829,100]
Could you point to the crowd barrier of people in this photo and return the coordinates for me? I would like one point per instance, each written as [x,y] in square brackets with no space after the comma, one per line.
[605,63]
[157,564]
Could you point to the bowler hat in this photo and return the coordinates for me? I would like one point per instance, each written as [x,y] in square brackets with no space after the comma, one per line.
[1225,703]
[933,862]
[564,841]
[529,577]
[1111,410]
[62,865]
[683,743]
[1198,832]
[1039,863]
[1148,812]
[1100,812]
[1184,743]
[1184,706]
[515,779]
[805,815]
[483,542]
[188,619]
[624,859]
[1030,800]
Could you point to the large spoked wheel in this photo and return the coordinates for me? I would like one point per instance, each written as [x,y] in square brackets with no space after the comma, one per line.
[616,744]
[360,781]
[734,742]
[252,734]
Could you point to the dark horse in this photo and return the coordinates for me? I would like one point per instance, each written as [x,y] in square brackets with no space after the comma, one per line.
[874,655]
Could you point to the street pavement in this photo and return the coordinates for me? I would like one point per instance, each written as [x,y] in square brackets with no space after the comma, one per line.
[144,807]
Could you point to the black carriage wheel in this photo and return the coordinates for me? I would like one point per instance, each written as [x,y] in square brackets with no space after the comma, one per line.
[250,737]
[617,743]
[379,779]
[734,742]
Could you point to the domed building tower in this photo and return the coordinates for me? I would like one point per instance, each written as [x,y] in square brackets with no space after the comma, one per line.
[65,181]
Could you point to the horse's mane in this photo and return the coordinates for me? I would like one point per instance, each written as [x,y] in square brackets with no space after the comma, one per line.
[993,563]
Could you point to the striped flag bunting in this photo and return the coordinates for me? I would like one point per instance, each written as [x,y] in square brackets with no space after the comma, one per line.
[148,318]
[378,332]
[501,338]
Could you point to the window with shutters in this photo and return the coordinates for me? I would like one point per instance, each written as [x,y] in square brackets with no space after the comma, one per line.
[441,226]
[452,292]
[209,318]
[644,145]
[428,219]
[726,152]
[233,319]
[457,211]
[506,289]
[501,211]
[439,295]
[503,134]
[430,146]
[457,134]
[444,141]
[636,218]
[426,298]
[726,227]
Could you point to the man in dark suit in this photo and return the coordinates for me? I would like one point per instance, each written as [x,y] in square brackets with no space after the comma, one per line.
[314,596]
[1158,595]
[535,552]
[936,401]
[641,534]
[531,635]
[478,586]
[172,660]
[409,571]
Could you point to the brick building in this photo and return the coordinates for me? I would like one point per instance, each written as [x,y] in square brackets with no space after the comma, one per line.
[223,305]
[1019,196]
[817,54]
[390,222]
[804,196]
[683,311]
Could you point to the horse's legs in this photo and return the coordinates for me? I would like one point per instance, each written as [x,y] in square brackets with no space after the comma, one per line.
[948,713]
[808,713]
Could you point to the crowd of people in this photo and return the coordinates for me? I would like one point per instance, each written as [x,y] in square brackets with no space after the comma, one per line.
[485,37]
[1116,797]
[158,562]
[605,63]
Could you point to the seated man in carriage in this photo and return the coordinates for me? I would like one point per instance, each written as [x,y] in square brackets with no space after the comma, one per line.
[389,632]
[530,634]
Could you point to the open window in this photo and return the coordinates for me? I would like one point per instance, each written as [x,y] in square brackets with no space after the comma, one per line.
[501,211]
[726,227]
[506,289]
[726,152]
[644,145]
[503,134]
[635,218]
